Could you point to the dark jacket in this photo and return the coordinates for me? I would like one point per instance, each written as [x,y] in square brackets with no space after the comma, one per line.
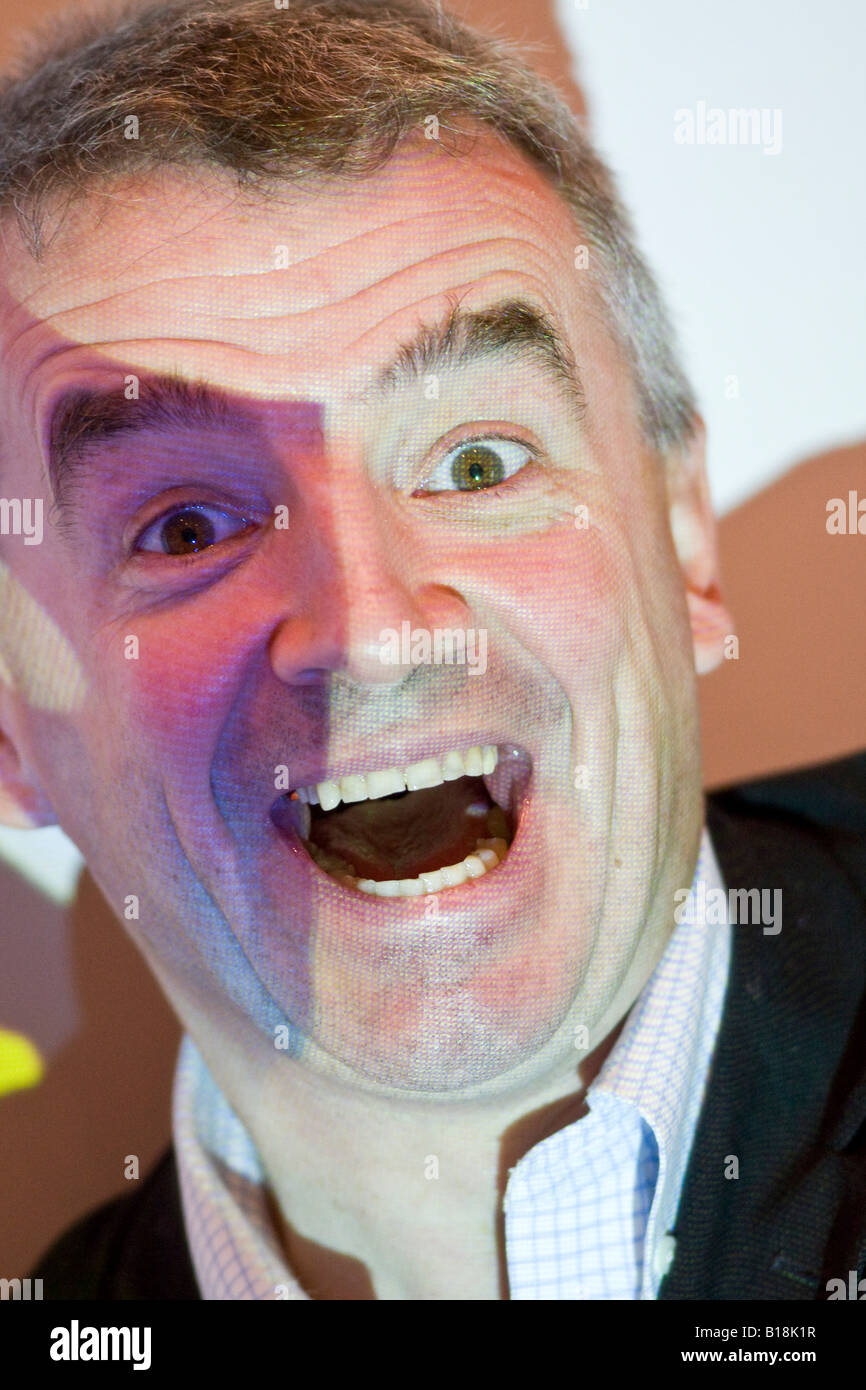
[786,1094]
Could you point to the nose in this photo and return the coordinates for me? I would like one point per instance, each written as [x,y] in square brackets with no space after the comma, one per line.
[361,595]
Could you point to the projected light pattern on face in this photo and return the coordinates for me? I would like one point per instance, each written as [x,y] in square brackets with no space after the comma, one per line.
[275,437]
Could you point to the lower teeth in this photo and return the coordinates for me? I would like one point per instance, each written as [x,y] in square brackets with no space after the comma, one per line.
[488,853]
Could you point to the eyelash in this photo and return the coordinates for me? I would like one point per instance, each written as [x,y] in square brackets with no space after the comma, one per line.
[498,490]
[189,506]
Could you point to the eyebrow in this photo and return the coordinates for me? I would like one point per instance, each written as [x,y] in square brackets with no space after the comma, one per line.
[512,328]
[83,419]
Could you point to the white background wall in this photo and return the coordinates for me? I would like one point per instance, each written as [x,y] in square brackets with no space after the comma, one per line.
[761,256]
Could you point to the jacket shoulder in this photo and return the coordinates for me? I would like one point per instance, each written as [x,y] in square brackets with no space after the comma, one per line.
[829,794]
[820,810]
[133,1247]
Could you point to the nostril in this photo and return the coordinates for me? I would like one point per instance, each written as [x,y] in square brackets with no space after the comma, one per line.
[312,675]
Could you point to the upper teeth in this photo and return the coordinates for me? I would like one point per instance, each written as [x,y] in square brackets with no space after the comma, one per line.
[469,762]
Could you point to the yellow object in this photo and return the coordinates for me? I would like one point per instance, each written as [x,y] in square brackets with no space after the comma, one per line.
[20,1063]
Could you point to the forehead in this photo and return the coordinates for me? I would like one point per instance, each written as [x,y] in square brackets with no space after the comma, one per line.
[315,282]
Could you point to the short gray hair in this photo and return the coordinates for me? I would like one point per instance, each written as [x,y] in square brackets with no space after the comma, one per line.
[321,87]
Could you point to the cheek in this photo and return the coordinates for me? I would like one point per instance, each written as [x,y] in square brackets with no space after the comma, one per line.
[563,594]
[166,680]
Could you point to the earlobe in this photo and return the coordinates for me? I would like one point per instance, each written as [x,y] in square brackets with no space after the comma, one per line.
[712,628]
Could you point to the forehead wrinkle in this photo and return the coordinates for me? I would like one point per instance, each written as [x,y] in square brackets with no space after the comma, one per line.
[505,167]
[526,218]
[285,299]
[269,294]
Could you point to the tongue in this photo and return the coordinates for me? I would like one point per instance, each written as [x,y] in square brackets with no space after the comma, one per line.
[406,835]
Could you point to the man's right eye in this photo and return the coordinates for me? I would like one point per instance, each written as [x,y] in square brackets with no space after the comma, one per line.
[188,530]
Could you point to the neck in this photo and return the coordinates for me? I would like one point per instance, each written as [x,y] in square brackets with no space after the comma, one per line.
[388,1199]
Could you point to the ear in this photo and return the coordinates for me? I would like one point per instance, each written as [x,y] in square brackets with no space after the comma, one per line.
[23,804]
[693,530]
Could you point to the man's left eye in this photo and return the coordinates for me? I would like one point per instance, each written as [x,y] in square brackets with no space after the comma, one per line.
[188,530]
[477,464]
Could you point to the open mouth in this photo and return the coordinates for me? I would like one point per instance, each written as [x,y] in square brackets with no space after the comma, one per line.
[407,831]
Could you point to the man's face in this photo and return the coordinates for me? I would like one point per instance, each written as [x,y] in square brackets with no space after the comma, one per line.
[207,616]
